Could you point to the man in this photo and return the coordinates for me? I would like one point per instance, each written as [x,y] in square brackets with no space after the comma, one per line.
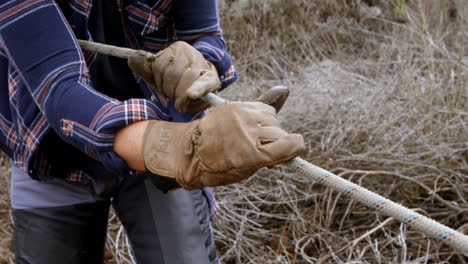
[81,128]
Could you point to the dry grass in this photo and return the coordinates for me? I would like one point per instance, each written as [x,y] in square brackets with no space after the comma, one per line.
[6,226]
[379,91]
[380,94]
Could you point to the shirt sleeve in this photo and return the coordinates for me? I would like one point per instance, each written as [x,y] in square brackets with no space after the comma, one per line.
[41,46]
[197,22]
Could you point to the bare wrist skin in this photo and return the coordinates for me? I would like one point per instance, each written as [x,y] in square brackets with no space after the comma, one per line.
[128,142]
[213,68]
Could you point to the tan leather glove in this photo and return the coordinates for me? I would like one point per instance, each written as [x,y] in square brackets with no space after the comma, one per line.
[226,146]
[179,72]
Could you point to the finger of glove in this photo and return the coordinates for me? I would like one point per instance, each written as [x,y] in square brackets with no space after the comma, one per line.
[207,81]
[275,97]
[270,134]
[182,99]
[260,106]
[136,61]
[283,149]
[180,63]
[136,58]
[268,119]
[167,71]
[196,106]
[208,179]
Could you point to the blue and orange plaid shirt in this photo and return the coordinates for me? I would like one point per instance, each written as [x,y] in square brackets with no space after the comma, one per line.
[45,82]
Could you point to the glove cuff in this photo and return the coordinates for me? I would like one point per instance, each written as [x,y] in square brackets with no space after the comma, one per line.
[165,145]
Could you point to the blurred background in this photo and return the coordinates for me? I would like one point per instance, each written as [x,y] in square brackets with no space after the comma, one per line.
[379,91]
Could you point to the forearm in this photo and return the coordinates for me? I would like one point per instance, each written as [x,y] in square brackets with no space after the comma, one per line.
[128,142]
[54,74]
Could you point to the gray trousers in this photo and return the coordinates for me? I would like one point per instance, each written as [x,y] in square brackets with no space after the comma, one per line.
[162,228]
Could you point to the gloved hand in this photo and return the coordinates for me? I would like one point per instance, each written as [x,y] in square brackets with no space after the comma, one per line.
[178,72]
[226,146]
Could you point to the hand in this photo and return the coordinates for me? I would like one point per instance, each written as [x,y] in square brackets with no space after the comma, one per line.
[129,140]
[178,72]
[226,146]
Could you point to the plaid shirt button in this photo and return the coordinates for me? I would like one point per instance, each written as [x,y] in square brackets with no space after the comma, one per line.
[68,128]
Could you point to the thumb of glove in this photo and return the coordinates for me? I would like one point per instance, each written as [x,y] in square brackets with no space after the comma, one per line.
[207,82]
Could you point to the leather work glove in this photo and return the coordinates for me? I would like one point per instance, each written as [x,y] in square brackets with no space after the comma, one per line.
[226,146]
[275,96]
[179,72]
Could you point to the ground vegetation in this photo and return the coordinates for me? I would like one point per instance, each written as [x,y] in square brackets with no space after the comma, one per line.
[379,91]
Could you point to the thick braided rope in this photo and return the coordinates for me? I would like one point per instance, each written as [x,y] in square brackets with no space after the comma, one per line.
[105,49]
[382,205]
[374,201]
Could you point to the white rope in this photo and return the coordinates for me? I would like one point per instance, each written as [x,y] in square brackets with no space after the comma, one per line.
[105,49]
[382,205]
[374,201]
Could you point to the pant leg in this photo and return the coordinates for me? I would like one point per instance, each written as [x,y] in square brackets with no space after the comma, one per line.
[165,228]
[67,234]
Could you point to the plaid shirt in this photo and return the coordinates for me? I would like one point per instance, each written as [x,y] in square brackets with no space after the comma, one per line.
[45,83]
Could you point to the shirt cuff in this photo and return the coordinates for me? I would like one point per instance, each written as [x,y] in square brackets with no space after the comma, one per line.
[213,48]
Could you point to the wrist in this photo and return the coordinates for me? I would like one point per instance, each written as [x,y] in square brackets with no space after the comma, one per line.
[128,142]
[213,67]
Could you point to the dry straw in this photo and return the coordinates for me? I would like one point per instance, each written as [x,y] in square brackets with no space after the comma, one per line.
[379,91]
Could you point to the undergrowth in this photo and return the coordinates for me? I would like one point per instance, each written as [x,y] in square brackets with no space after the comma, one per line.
[379,92]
